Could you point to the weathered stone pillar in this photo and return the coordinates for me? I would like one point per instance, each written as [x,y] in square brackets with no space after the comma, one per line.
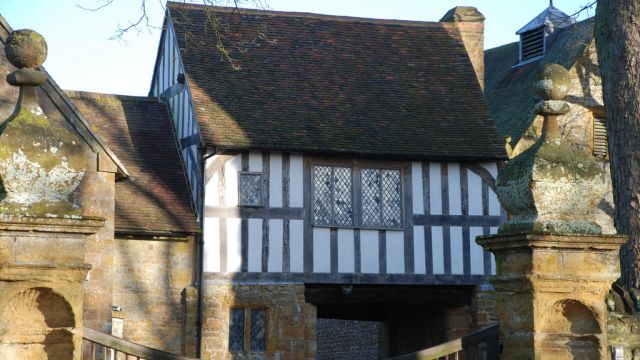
[554,267]
[42,232]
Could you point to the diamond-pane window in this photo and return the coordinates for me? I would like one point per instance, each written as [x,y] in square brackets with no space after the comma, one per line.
[258,329]
[381,198]
[236,330]
[332,196]
[250,189]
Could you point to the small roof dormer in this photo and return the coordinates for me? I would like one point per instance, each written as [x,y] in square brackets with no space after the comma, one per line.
[533,36]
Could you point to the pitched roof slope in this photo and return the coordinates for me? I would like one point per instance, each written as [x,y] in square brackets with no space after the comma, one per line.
[509,88]
[335,85]
[156,198]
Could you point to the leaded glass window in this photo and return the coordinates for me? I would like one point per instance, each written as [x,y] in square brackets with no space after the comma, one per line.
[381,198]
[236,330]
[332,196]
[258,329]
[250,189]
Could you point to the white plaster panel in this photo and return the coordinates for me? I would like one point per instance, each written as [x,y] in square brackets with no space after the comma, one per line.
[275,179]
[275,245]
[457,258]
[493,230]
[296,192]
[419,264]
[231,172]
[369,252]
[494,204]
[211,191]
[255,245]
[346,251]
[435,189]
[474,186]
[255,161]
[234,245]
[395,252]
[211,250]
[455,198]
[296,244]
[476,252]
[416,187]
[321,250]
[437,249]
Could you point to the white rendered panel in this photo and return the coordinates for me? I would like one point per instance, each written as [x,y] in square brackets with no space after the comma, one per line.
[474,186]
[416,187]
[346,251]
[457,258]
[493,230]
[494,204]
[321,250]
[369,252]
[255,245]
[211,251]
[435,189]
[296,193]
[437,249]
[234,245]
[275,179]
[455,198]
[476,252]
[231,171]
[212,190]
[255,161]
[275,245]
[419,250]
[296,243]
[395,252]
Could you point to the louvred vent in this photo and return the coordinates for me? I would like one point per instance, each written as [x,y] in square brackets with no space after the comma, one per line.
[600,146]
[532,44]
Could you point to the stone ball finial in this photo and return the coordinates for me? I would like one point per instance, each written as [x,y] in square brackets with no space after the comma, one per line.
[26,49]
[553,83]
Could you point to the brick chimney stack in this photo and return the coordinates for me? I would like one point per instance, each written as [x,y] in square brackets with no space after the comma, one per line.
[470,23]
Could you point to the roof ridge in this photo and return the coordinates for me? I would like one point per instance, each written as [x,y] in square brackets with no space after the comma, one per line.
[92,95]
[309,15]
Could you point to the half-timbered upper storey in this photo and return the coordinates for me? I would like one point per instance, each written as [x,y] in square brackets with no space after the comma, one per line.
[336,149]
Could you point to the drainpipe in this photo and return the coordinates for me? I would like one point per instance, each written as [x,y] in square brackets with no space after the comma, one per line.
[200,273]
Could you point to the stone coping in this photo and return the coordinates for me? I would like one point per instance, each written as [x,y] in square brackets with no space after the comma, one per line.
[552,241]
[81,225]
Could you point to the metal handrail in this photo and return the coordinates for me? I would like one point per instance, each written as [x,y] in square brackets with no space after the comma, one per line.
[106,346]
[466,347]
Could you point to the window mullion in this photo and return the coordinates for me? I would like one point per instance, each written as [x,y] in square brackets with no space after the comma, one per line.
[356,196]
[247,330]
[381,172]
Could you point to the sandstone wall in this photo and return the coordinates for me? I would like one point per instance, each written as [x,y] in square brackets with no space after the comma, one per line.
[152,284]
[291,323]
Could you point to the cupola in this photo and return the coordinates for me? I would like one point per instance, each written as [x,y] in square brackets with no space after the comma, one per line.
[534,35]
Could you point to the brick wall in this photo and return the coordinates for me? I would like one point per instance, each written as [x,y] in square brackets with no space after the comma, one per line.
[350,340]
[152,284]
[484,309]
[291,323]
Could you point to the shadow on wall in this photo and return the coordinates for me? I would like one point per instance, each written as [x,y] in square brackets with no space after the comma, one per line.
[573,326]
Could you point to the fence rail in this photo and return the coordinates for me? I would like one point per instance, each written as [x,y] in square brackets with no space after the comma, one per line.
[480,345]
[97,345]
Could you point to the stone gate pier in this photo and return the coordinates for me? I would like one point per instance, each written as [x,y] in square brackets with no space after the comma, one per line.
[554,266]
[42,225]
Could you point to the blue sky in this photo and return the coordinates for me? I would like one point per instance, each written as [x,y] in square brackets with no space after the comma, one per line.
[81,56]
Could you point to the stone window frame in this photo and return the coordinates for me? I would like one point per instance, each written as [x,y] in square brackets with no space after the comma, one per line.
[261,189]
[247,340]
[356,167]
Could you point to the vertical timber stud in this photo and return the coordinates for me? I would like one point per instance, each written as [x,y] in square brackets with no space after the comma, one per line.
[286,196]
[244,223]
[308,216]
[426,193]
[265,221]
[446,231]
[466,241]
[408,218]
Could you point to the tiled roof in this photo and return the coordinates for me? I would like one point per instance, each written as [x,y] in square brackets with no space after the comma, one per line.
[155,199]
[508,88]
[335,85]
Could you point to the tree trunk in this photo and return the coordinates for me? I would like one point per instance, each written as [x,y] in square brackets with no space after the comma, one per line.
[617,37]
